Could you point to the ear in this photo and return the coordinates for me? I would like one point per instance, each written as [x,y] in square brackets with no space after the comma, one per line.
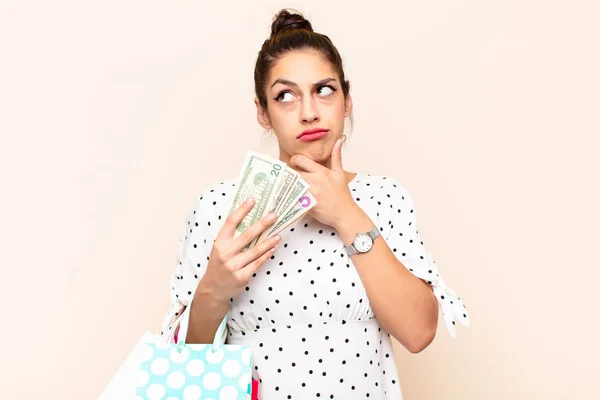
[348,105]
[262,116]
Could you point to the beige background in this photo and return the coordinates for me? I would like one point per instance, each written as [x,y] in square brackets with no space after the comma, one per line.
[115,114]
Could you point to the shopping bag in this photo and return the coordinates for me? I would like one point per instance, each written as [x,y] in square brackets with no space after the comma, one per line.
[194,371]
[122,384]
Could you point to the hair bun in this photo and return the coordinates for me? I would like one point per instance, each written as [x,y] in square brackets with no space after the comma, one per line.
[286,21]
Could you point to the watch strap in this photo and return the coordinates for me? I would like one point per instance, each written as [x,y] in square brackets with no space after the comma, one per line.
[351,250]
[373,233]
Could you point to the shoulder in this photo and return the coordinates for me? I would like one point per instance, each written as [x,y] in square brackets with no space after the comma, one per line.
[388,186]
[390,197]
[222,189]
[214,199]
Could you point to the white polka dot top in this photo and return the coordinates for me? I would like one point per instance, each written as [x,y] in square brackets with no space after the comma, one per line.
[305,312]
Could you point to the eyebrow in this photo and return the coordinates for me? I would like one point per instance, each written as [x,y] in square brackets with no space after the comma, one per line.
[290,83]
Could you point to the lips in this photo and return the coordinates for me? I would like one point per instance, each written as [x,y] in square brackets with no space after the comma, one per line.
[311,134]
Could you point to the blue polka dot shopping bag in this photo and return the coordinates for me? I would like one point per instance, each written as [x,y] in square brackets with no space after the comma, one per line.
[186,371]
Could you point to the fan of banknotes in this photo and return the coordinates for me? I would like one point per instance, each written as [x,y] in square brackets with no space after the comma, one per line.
[275,187]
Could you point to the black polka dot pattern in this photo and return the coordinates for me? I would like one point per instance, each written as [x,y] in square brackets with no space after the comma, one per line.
[305,312]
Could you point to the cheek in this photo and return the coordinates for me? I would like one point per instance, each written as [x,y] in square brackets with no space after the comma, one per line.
[335,115]
[285,127]
[280,119]
[338,109]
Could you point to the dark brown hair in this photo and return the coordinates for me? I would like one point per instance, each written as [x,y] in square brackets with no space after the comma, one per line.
[289,32]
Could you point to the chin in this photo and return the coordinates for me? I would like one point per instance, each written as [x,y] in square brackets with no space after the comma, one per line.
[319,155]
[318,151]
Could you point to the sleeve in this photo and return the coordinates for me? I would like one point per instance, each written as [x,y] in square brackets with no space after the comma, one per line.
[192,258]
[403,238]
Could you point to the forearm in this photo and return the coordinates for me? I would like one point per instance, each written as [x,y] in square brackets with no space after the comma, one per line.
[403,304]
[206,313]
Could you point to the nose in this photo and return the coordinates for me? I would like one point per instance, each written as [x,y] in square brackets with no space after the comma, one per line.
[309,113]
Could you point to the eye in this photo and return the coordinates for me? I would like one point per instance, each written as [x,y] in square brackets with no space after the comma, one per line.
[284,97]
[326,90]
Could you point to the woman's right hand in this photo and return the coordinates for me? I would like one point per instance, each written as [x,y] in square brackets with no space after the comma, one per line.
[229,268]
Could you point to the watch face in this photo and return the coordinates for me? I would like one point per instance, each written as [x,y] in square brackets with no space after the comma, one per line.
[363,243]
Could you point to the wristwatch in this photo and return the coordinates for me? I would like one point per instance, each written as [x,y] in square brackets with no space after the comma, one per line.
[362,242]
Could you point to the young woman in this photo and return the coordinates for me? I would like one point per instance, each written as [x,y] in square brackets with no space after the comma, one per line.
[319,312]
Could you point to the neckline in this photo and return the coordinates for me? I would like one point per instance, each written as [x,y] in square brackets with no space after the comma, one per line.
[353,180]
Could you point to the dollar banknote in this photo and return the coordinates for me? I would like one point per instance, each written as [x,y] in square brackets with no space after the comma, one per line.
[298,190]
[285,186]
[301,207]
[275,187]
[259,178]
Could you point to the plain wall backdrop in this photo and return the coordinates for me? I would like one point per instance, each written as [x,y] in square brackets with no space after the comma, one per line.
[115,114]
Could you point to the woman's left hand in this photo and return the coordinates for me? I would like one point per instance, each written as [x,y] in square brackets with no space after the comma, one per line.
[328,186]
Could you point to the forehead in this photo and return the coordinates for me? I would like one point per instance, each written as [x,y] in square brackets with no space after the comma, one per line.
[301,67]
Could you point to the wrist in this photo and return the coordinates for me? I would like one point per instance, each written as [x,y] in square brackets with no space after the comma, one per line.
[354,221]
[208,293]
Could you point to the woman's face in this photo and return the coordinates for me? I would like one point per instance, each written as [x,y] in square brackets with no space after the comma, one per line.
[304,93]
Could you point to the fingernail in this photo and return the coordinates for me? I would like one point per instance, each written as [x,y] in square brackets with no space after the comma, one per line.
[271,216]
[250,201]
[277,238]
